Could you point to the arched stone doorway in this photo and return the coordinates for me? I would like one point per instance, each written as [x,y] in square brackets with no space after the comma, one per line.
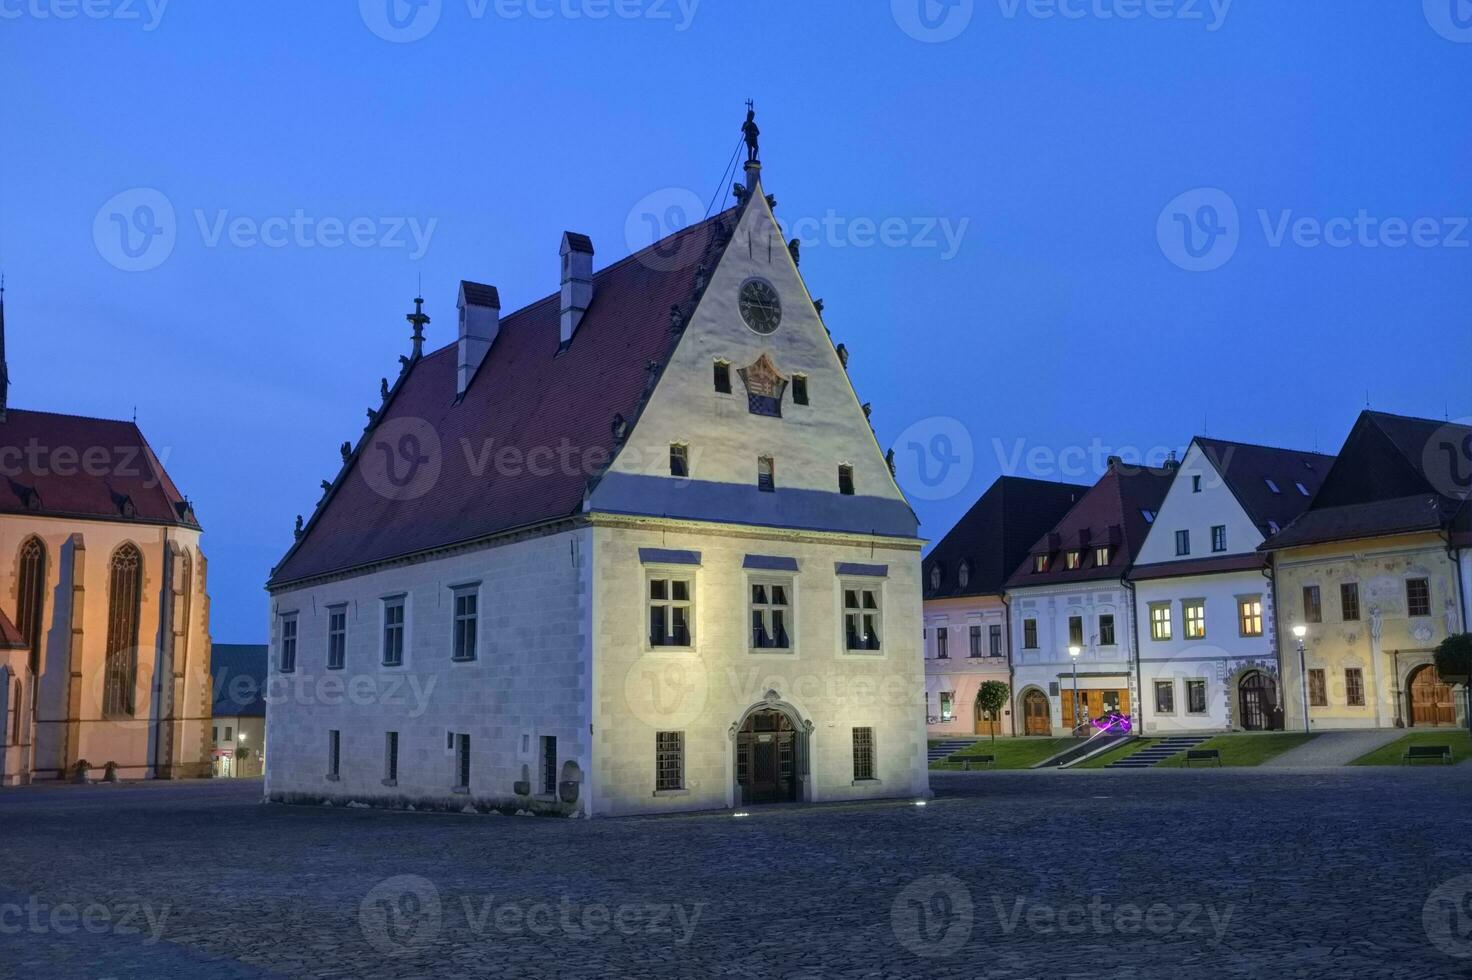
[771,755]
[1037,717]
[1431,699]
[1257,696]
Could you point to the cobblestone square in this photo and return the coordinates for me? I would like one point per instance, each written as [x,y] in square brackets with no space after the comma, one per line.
[1332,873]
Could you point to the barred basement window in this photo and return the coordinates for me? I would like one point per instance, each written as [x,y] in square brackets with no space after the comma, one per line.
[861,618]
[31,597]
[766,474]
[1354,686]
[669,612]
[723,377]
[393,631]
[863,754]
[669,761]
[125,594]
[337,636]
[846,480]
[1318,691]
[679,460]
[549,765]
[800,389]
[391,756]
[467,621]
[1349,601]
[288,643]
[1418,597]
[462,761]
[769,616]
[334,753]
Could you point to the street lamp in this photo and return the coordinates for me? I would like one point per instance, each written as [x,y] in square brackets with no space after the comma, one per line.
[1073,652]
[1299,632]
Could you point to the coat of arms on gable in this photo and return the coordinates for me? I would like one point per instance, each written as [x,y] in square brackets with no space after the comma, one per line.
[764,387]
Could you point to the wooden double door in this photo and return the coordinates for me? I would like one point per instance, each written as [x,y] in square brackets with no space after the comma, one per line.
[1093,703]
[1037,719]
[1431,697]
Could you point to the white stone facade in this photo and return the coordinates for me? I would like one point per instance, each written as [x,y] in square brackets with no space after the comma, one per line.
[1047,666]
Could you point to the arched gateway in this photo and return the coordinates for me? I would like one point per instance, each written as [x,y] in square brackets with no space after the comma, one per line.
[771,754]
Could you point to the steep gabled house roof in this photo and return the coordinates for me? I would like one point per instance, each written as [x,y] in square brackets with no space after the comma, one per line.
[536,424]
[996,534]
[1395,475]
[1116,512]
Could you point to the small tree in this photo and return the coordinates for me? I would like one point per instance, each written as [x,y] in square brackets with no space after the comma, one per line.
[992,698]
[1454,664]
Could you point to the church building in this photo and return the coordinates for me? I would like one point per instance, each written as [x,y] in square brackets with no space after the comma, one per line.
[632,548]
[104,620]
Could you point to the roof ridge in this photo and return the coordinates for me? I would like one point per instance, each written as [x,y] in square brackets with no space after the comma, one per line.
[84,418]
[1262,445]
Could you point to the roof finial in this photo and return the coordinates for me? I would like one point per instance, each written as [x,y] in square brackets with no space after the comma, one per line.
[752,134]
[418,318]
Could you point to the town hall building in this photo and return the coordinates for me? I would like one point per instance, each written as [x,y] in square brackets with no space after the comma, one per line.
[633,548]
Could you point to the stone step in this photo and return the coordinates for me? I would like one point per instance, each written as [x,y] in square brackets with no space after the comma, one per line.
[1158,751]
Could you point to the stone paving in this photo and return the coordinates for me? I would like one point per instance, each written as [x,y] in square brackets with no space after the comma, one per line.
[1334,748]
[1094,874]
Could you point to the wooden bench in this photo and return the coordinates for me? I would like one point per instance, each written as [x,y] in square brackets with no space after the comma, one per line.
[1427,753]
[981,760]
[1202,755]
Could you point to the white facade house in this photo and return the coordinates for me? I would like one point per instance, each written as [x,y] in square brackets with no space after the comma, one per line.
[1203,592]
[1071,593]
[689,583]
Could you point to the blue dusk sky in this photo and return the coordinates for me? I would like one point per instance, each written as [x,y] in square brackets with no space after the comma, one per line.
[1046,231]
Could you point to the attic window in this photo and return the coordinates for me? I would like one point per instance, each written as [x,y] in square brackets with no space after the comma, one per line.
[1149,516]
[1039,564]
[1302,489]
[1101,556]
[766,474]
[963,574]
[1273,527]
[1073,559]
[846,480]
[679,460]
[1196,483]
[934,577]
[723,377]
[799,389]
[1271,485]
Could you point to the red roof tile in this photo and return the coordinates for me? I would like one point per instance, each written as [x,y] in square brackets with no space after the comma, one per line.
[70,466]
[534,427]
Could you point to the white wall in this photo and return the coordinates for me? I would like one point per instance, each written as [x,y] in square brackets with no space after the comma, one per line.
[1184,509]
[1099,665]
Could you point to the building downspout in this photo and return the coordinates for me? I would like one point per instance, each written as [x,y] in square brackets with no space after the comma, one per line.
[1011,669]
[1138,714]
[1270,573]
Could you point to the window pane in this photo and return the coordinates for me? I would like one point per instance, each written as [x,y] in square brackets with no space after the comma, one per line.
[681,590]
[658,589]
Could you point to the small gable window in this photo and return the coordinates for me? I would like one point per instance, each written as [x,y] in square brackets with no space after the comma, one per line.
[1302,489]
[766,474]
[1271,485]
[846,480]
[800,389]
[963,574]
[1101,556]
[1149,516]
[934,577]
[1196,483]
[679,460]
[723,377]
[1073,559]
[1039,563]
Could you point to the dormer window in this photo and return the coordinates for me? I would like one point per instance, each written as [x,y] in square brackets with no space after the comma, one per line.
[766,474]
[934,578]
[1039,564]
[723,377]
[963,574]
[1302,489]
[846,480]
[1102,556]
[799,389]
[1073,559]
[1271,485]
[679,460]
[1149,516]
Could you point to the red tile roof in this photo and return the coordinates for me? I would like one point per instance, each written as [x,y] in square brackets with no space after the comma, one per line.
[70,466]
[534,427]
[10,637]
[1111,513]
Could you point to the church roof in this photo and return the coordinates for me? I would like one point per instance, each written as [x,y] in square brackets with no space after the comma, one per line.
[534,427]
[10,637]
[239,678]
[96,469]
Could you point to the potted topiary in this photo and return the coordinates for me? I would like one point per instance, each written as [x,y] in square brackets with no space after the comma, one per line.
[109,772]
[80,768]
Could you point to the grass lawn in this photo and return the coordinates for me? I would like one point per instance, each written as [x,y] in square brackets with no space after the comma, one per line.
[1100,761]
[1011,753]
[1389,755]
[1244,749]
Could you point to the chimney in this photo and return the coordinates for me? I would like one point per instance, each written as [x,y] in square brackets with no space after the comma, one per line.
[577,281]
[480,321]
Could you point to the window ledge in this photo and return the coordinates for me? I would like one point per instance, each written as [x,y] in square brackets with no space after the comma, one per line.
[333,777]
[462,660]
[461,790]
[390,782]
[867,782]
[778,651]
[671,792]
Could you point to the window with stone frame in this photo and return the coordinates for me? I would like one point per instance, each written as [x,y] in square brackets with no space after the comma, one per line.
[994,638]
[1193,612]
[1249,615]
[863,739]
[669,761]
[1165,697]
[1106,630]
[124,606]
[846,480]
[722,373]
[1418,597]
[1313,610]
[1349,601]
[974,639]
[861,617]
[1318,690]
[671,609]
[1029,634]
[337,637]
[1196,697]
[31,597]
[1160,622]
[1218,537]
[1075,631]
[1354,687]
[679,460]
[393,631]
[467,623]
[942,643]
[947,706]
[800,389]
[1183,542]
[766,474]
[286,654]
[771,614]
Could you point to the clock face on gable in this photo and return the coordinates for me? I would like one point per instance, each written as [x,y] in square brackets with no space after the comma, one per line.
[760,306]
